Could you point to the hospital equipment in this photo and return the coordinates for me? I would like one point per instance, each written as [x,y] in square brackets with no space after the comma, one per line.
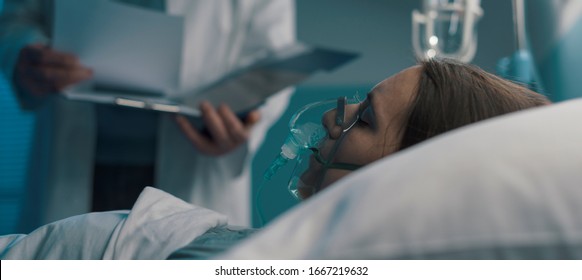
[446,28]
[306,133]
[519,66]
[553,32]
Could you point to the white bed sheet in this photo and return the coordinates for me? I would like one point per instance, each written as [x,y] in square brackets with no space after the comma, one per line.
[509,187]
[157,225]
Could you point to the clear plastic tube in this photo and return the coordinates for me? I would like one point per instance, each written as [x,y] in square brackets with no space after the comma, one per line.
[299,140]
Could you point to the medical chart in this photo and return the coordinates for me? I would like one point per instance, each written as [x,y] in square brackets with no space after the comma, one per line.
[137,62]
[142,54]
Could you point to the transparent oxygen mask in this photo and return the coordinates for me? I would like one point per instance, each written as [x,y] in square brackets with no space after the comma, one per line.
[306,130]
[306,135]
[446,28]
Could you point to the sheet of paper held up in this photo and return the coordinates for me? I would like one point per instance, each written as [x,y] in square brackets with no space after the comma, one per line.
[242,89]
[136,55]
[142,54]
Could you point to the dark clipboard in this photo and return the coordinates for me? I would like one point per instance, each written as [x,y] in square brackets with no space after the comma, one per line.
[242,90]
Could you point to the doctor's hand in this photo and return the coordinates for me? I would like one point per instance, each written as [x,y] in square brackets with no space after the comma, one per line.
[41,70]
[227,131]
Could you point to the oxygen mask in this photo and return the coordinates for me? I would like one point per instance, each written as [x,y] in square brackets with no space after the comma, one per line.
[303,144]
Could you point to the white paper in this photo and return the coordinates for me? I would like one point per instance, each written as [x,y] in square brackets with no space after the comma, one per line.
[242,90]
[127,47]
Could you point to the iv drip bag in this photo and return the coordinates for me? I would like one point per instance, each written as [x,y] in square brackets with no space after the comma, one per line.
[446,28]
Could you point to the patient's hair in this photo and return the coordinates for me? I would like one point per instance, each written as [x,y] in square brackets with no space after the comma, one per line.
[451,94]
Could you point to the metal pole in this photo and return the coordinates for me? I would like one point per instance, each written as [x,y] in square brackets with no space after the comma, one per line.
[519,24]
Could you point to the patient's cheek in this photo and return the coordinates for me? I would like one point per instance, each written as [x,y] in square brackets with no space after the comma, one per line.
[332,176]
[305,193]
[311,174]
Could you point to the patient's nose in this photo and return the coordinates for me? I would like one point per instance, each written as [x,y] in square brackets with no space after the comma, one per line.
[351,114]
[329,122]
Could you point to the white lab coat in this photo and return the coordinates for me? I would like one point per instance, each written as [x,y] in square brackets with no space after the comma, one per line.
[227,34]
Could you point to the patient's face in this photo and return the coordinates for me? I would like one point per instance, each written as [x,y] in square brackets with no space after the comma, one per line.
[377,133]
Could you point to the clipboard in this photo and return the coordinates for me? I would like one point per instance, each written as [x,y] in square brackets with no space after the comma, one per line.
[242,90]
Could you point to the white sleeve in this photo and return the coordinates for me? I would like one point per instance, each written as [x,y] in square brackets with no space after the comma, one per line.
[272,25]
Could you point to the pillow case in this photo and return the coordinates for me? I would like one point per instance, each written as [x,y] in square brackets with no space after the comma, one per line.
[506,188]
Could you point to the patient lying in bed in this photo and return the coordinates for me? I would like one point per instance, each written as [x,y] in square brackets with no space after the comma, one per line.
[414,105]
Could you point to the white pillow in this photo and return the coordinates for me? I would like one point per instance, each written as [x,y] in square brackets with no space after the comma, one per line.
[509,187]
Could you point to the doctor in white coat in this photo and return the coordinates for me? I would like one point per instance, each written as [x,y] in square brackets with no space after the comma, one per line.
[226,34]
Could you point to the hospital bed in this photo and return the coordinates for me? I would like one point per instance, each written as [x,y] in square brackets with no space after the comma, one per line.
[505,188]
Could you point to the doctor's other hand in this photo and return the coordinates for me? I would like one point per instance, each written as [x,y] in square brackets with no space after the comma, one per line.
[227,131]
[41,70]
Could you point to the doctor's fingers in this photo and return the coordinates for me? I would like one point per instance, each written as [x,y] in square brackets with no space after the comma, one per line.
[238,131]
[58,78]
[40,81]
[201,143]
[216,125]
[39,54]
[252,118]
[31,86]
